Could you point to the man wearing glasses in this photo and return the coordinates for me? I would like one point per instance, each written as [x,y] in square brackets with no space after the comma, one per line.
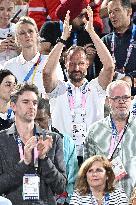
[114,136]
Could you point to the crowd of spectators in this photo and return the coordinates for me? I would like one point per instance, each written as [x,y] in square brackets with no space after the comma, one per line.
[67,102]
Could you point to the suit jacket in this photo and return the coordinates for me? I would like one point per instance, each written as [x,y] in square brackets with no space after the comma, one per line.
[51,169]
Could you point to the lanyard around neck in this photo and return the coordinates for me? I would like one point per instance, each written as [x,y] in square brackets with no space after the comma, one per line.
[71,98]
[21,152]
[105,200]
[9,113]
[115,138]
[32,71]
[129,50]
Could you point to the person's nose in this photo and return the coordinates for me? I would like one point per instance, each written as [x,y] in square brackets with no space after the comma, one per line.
[121,100]
[94,173]
[112,15]
[6,13]
[31,105]
[76,67]
[12,87]
[27,34]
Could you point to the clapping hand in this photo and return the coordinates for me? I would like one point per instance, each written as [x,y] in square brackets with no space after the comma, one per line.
[66,27]
[43,146]
[89,23]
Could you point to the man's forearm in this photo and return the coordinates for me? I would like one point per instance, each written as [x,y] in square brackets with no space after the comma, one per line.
[53,58]
[49,72]
[102,51]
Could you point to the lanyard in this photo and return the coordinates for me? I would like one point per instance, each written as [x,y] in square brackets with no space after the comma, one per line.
[21,152]
[61,26]
[105,201]
[71,100]
[32,71]
[9,113]
[129,50]
[75,39]
[114,141]
[134,109]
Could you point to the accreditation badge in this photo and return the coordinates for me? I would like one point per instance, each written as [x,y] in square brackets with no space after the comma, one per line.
[79,135]
[118,168]
[79,132]
[31,184]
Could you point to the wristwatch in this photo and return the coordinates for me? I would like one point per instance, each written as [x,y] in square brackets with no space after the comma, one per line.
[61,40]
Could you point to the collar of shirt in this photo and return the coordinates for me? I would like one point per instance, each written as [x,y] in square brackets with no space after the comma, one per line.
[130,119]
[4,31]
[128,31]
[73,87]
[33,60]
[37,130]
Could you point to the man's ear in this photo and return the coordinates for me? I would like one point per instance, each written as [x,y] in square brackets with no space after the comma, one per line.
[107,101]
[13,106]
[129,11]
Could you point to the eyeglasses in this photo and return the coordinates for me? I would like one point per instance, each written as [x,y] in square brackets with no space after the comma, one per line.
[124,98]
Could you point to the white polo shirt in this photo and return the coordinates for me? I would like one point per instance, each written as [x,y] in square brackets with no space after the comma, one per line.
[60,108]
[20,68]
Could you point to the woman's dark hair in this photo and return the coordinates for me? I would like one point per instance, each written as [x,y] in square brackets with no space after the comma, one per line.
[43,104]
[5,73]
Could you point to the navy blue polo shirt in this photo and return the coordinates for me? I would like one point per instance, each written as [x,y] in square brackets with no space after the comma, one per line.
[121,44]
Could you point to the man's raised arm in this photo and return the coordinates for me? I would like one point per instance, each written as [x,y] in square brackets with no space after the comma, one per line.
[49,72]
[107,72]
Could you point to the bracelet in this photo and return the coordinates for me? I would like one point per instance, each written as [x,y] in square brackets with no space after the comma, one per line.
[61,41]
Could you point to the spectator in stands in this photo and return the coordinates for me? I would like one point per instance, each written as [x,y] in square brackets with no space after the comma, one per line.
[8,84]
[42,10]
[73,100]
[23,6]
[8,48]
[28,66]
[95,184]
[27,154]
[131,79]
[52,30]
[43,118]
[114,136]
[121,42]
[75,11]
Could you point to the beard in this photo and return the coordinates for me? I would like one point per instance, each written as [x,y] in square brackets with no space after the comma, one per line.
[121,116]
[76,76]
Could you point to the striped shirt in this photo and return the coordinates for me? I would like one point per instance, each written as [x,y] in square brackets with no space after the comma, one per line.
[117,197]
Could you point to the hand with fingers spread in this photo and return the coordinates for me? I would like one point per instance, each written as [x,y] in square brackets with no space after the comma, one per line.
[29,146]
[89,24]
[66,27]
[43,146]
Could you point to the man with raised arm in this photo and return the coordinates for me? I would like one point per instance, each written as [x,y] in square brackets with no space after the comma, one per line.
[78,103]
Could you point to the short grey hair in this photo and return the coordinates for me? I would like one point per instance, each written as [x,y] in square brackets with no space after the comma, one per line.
[116,83]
